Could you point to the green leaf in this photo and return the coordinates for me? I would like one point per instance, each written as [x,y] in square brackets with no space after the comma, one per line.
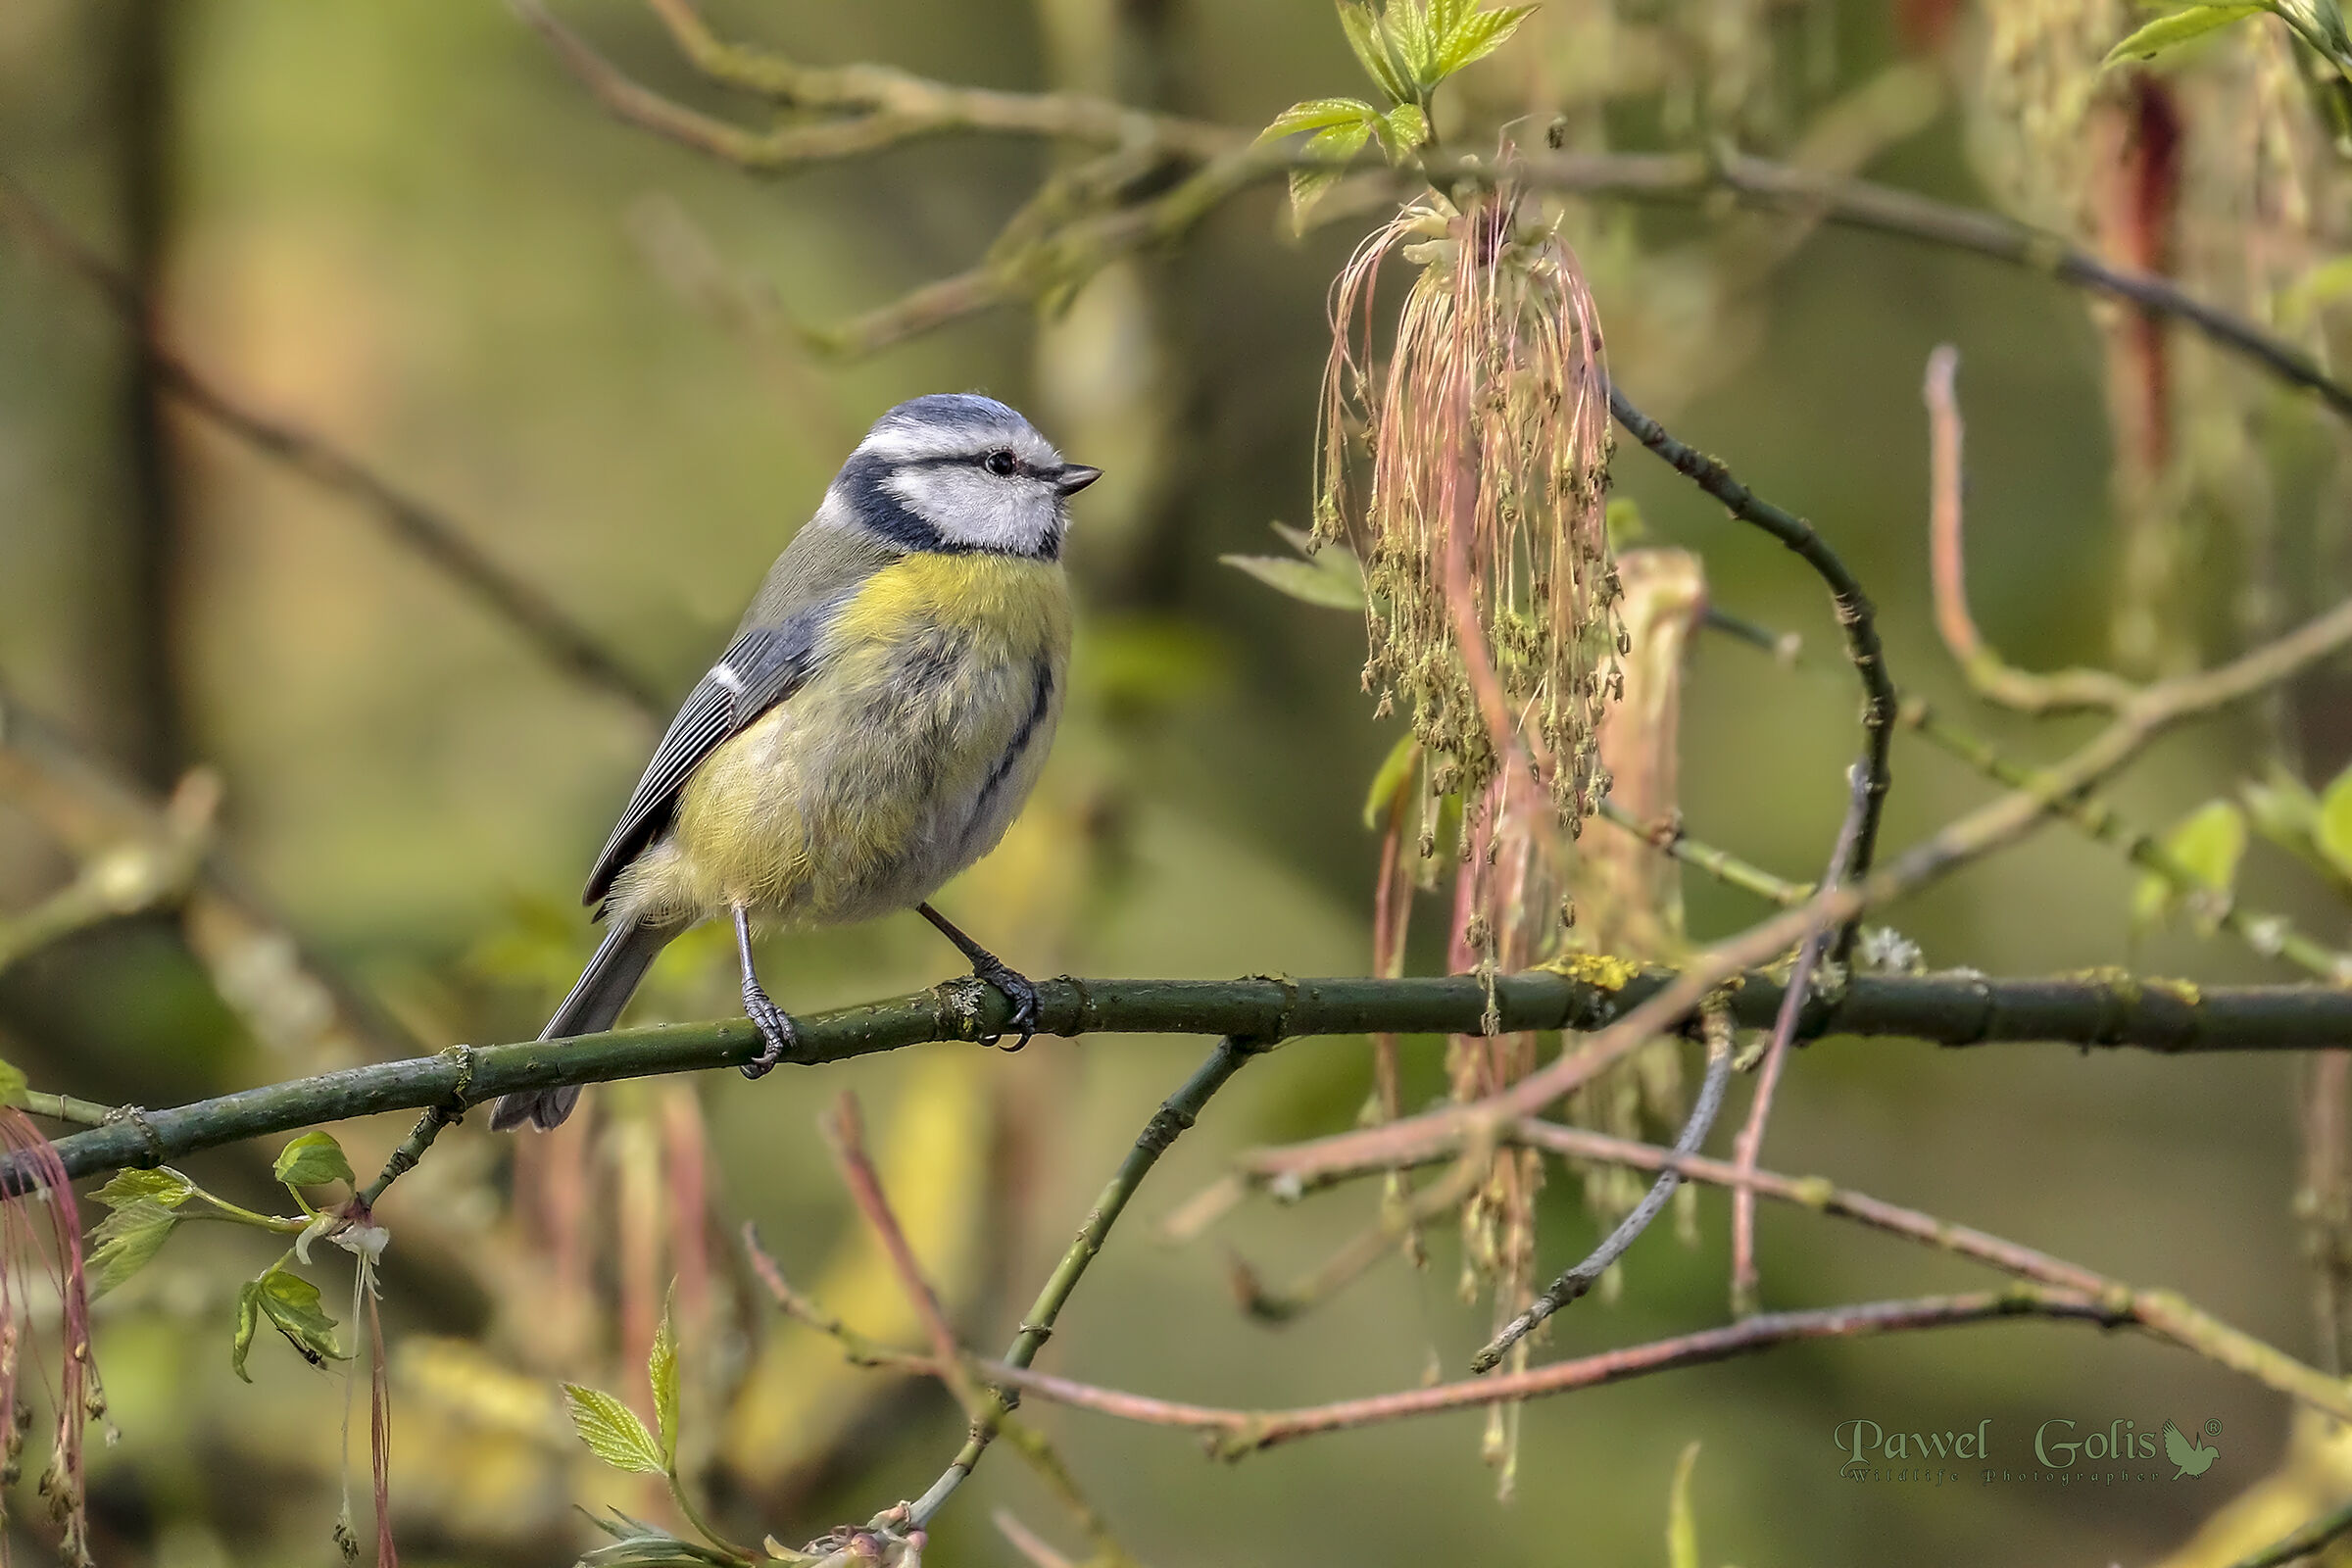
[1305,581]
[1335,144]
[1625,522]
[2331,829]
[313,1161]
[2208,843]
[1369,40]
[1402,129]
[2171,31]
[1406,23]
[1394,777]
[1444,19]
[162,1185]
[2283,808]
[1480,33]
[292,1305]
[12,1084]
[2320,24]
[1682,1526]
[1315,113]
[662,1371]
[127,1239]
[249,1318]
[613,1432]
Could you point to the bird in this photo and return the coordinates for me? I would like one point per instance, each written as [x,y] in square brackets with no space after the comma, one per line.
[2193,1458]
[873,728]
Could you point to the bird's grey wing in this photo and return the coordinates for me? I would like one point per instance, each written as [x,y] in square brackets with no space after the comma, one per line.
[762,666]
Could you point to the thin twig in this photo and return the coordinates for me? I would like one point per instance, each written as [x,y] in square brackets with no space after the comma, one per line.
[1750,1141]
[2303,1542]
[1175,1114]
[1989,675]
[2164,1314]
[1236,1432]
[1573,1284]
[1668,838]
[421,528]
[2266,932]
[1856,616]
[1403,1214]
[1022,1539]
[844,1134]
[876,107]
[854,110]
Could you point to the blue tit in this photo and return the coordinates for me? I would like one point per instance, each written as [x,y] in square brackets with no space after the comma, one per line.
[874,727]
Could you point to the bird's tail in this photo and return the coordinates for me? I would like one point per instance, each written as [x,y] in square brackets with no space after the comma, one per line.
[602,990]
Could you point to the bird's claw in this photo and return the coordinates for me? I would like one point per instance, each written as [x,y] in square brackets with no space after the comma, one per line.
[1017,991]
[1021,994]
[779,1035]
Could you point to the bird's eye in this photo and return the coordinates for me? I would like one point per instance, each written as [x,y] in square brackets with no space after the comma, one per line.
[1000,463]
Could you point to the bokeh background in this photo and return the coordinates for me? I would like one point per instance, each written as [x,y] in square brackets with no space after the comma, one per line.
[406,227]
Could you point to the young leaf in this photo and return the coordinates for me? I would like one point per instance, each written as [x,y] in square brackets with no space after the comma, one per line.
[1406,23]
[12,1084]
[2331,829]
[2208,843]
[1369,40]
[127,1240]
[1480,34]
[2169,32]
[1337,144]
[249,1318]
[291,1303]
[2284,810]
[313,1161]
[661,1370]
[613,1432]
[1446,19]
[162,1185]
[2319,24]
[1681,1527]
[1395,775]
[1315,113]
[1305,580]
[1403,129]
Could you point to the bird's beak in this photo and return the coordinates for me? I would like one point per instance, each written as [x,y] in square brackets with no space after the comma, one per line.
[1072,477]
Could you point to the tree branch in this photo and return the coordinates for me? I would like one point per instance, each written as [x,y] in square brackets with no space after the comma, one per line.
[414,524]
[1855,616]
[875,106]
[1750,1141]
[1989,675]
[2102,1009]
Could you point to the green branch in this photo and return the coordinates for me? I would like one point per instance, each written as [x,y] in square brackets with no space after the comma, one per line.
[2102,1007]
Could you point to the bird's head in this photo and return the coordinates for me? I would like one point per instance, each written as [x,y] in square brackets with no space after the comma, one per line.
[959,472]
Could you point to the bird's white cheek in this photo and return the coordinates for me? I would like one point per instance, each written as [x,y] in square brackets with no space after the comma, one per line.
[976,509]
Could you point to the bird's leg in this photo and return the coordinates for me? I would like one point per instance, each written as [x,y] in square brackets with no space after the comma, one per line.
[991,968]
[775,1028]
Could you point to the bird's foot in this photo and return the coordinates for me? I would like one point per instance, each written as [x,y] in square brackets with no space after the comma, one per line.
[779,1035]
[1020,992]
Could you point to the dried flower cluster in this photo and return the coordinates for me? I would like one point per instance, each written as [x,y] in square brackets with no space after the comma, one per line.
[1469,471]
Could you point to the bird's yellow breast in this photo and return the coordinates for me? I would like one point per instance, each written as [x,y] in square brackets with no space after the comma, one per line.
[935,694]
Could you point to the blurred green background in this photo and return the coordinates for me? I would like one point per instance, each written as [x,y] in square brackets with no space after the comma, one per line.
[406,227]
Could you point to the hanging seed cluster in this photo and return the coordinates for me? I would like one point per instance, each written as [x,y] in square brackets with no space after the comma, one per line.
[1469,469]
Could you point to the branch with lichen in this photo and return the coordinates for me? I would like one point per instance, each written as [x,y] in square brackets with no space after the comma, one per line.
[2097,1010]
